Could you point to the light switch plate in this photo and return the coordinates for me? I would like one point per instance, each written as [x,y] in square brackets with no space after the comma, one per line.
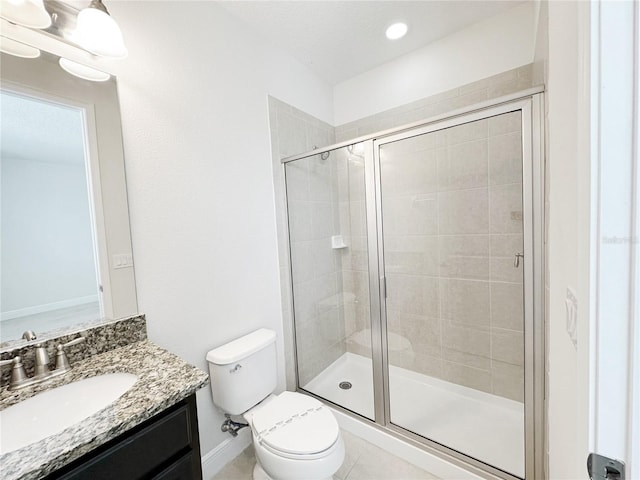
[122,260]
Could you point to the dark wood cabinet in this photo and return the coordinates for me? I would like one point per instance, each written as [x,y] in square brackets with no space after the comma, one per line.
[165,447]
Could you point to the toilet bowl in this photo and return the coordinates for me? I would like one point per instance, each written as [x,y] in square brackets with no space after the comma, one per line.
[295,436]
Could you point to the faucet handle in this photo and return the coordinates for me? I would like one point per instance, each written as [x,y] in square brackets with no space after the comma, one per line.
[75,341]
[18,374]
[62,362]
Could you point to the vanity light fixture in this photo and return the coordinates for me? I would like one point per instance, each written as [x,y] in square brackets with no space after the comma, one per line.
[28,13]
[98,33]
[82,71]
[17,49]
[396,31]
[95,32]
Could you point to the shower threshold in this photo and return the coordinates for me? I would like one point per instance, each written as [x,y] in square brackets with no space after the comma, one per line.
[481,425]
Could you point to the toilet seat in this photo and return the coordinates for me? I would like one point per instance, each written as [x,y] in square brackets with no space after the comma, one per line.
[295,426]
[294,456]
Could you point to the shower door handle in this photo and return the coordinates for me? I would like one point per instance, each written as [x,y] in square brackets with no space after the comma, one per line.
[516,260]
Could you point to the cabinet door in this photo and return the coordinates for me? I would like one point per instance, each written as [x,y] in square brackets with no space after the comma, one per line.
[170,438]
[180,470]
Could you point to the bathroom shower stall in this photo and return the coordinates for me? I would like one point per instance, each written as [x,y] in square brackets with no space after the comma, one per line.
[416,272]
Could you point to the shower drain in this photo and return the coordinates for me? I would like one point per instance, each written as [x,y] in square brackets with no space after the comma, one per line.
[345,385]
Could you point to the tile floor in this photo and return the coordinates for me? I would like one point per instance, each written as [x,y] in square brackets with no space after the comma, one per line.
[363,461]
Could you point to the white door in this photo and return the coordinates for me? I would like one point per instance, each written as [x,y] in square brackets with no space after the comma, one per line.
[615,217]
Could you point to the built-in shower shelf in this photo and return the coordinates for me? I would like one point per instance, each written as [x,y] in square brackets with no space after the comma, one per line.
[337,242]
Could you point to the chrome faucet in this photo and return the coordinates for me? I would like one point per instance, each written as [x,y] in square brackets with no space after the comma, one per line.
[42,371]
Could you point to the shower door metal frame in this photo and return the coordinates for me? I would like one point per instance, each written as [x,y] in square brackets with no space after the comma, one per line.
[531,103]
[533,205]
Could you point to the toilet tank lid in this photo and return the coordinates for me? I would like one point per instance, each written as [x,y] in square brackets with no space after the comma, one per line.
[241,347]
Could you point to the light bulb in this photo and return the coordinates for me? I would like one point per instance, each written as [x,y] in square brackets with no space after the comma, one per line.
[7,45]
[28,13]
[98,33]
[82,71]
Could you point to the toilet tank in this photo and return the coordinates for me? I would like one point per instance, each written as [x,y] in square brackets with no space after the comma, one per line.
[243,371]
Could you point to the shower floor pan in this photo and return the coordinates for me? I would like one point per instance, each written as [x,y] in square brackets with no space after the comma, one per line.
[484,426]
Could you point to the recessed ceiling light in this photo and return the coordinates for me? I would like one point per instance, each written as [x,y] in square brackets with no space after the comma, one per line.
[397,30]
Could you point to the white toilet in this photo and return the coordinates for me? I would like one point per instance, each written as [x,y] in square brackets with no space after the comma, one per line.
[295,436]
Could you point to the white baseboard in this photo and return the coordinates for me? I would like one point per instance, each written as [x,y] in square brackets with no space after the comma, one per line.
[216,459]
[48,307]
[410,453]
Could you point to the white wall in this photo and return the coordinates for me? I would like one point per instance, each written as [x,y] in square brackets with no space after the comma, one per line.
[568,173]
[193,93]
[500,43]
[46,236]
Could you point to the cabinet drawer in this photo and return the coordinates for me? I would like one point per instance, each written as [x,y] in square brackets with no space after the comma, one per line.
[140,453]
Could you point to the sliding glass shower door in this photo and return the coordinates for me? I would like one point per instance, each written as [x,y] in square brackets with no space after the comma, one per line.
[452,242]
[416,263]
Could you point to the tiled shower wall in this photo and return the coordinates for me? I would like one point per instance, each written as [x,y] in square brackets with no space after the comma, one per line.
[355,266]
[316,266]
[451,351]
[452,223]
[314,213]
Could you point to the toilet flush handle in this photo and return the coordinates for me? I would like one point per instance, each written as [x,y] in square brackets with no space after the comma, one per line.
[236,369]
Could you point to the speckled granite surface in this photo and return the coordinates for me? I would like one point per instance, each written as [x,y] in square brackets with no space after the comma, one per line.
[99,339]
[163,380]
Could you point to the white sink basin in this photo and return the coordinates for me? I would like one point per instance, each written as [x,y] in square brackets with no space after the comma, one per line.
[53,410]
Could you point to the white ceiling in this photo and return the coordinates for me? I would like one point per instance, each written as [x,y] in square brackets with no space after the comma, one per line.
[341,39]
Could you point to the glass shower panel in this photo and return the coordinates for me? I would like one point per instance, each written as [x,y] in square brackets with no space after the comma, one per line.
[329,268]
[452,231]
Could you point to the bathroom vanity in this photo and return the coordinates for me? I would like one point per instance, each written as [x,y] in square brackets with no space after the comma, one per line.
[148,432]
[164,447]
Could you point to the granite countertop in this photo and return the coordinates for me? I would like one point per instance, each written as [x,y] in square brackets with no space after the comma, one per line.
[163,380]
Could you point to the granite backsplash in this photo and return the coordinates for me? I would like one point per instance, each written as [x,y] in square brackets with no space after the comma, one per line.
[99,339]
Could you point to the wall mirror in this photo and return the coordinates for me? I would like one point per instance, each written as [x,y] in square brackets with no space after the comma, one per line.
[65,242]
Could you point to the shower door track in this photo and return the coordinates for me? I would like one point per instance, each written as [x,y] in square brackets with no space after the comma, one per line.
[530,103]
